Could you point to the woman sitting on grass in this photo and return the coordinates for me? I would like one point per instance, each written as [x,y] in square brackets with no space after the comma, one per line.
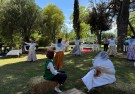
[51,73]
[102,72]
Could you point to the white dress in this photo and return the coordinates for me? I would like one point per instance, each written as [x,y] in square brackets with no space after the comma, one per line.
[32,53]
[90,81]
[76,50]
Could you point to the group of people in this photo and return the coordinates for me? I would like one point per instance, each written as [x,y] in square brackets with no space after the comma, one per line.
[102,72]
[102,67]
[113,51]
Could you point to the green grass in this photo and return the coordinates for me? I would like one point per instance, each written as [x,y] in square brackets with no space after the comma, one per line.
[15,72]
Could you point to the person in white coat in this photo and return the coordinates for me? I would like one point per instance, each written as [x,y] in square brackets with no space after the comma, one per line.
[32,54]
[102,72]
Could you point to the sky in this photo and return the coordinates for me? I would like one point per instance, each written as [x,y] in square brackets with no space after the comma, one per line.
[65,5]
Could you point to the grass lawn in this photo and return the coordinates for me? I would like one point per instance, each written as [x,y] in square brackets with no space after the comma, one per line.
[16,72]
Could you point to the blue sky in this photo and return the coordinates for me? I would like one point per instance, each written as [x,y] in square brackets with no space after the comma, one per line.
[65,5]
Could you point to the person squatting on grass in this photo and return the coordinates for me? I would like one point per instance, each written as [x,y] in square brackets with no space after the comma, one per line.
[102,72]
[51,73]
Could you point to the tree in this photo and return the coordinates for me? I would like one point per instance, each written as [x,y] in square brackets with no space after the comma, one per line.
[65,31]
[85,30]
[76,21]
[28,24]
[132,23]
[53,21]
[19,18]
[122,23]
[84,27]
[120,9]
[72,35]
[99,20]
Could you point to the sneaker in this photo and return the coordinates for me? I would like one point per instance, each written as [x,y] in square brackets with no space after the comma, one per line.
[57,90]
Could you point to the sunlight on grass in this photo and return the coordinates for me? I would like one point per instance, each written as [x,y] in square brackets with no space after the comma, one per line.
[10,77]
[16,72]
[78,66]
[17,59]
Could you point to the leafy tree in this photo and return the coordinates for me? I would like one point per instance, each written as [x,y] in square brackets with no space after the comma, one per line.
[85,30]
[84,27]
[99,19]
[29,23]
[53,21]
[131,29]
[72,35]
[65,31]
[18,19]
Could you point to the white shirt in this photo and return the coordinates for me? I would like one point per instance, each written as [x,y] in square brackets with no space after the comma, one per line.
[51,67]
[76,42]
[32,45]
[112,42]
[58,49]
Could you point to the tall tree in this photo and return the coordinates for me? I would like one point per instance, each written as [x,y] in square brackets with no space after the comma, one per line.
[76,21]
[28,23]
[122,23]
[53,21]
[65,31]
[14,20]
[99,20]
[120,8]
[132,23]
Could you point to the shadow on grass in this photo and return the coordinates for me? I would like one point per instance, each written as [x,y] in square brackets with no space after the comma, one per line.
[15,77]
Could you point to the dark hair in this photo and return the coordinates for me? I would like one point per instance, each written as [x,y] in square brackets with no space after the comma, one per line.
[111,36]
[50,54]
[59,40]
[133,37]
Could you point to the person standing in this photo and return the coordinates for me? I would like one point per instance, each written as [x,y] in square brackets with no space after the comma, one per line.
[59,56]
[76,50]
[106,43]
[131,49]
[112,49]
[32,53]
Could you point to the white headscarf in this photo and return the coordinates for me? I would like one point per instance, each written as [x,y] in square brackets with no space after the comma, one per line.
[102,55]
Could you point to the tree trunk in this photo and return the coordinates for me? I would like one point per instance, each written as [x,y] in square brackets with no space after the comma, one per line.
[26,38]
[25,35]
[122,24]
[76,21]
[99,33]
[131,28]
